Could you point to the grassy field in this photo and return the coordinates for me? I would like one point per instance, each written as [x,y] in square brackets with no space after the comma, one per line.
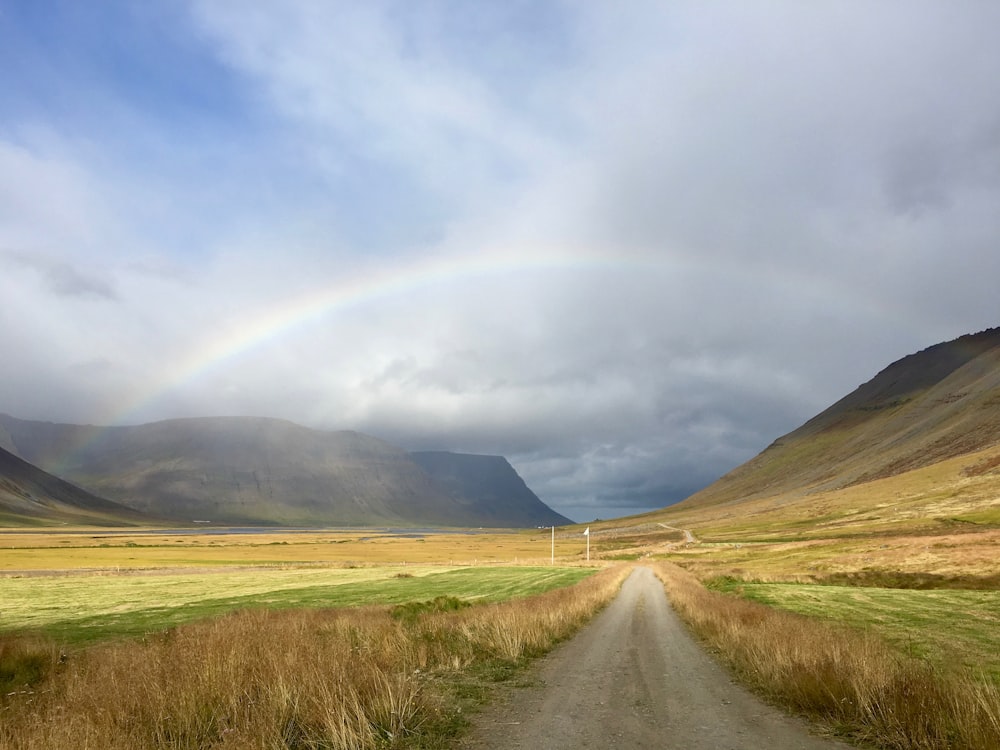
[956,495]
[82,608]
[849,678]
[921,587]
[365,678]
[951,629]
[939,521]
[84,584]
[969,558]
[84,549]
[873,609]
[320,639]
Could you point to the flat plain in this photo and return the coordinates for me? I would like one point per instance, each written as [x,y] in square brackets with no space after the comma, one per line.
[82,608]
[84,585]
[926,587]
[62,549]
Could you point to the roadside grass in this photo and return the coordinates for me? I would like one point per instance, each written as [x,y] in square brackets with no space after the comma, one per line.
[946,628]
[80,608]
[357,678]
[851,680]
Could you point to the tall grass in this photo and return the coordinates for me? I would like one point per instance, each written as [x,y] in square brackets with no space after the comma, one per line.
[352,678]
[850,680]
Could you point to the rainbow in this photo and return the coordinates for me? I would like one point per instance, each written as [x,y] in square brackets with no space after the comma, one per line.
[383,282]
[373,284]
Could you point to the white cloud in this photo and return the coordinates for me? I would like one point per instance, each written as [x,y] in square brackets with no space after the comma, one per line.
[674,232]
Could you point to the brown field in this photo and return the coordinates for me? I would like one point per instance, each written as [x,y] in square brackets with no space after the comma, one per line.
[954,496]
[942,520]
[99,549]
[971,556]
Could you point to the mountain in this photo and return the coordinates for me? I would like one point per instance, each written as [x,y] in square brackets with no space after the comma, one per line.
[248,470]
[940,403]
[489,486]
[30,496]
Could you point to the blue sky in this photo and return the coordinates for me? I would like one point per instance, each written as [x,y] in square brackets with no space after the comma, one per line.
[625,245]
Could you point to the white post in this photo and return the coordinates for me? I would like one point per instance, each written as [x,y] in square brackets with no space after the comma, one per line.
[587,534]
[553,545]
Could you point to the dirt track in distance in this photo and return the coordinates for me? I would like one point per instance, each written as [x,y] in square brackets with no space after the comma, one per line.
[634,678]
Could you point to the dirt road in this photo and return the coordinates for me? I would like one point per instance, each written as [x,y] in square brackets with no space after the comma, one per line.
[688,536]
[632,679]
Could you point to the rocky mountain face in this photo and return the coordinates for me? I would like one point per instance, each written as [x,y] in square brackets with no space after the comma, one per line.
[245,470]
[939,403]
[488,486]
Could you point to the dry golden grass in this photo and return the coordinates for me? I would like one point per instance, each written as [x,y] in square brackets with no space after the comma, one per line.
[847,679]
[959,494]
[941,520]
[347,678]
[972,556]
[83,608]
[935,527]
[101,549]
[951,628]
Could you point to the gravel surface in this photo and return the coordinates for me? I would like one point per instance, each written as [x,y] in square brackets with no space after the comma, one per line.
[634,678]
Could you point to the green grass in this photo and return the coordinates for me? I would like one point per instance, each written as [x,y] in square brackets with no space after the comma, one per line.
[947,628]
[80,609]
[987,516]
[367,678]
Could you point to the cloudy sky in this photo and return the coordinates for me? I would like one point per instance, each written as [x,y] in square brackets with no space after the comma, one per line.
[625,244]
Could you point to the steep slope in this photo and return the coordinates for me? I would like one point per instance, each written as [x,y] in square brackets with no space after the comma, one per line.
[489,487]
[934,405]
[30,496]
[243,470]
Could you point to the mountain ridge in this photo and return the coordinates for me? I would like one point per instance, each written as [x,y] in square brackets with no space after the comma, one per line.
[252,471]
[30,496]
[492,480]
[935,404]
